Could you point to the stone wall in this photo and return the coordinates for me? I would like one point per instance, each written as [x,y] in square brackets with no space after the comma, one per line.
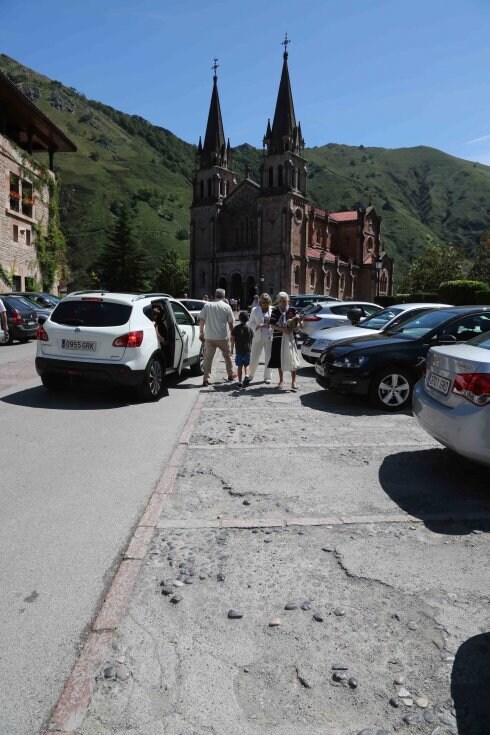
[17,237]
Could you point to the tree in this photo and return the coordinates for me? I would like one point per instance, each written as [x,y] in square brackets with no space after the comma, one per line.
[4,276]
[437,263]
[173,274]
[481,267]
[123,265]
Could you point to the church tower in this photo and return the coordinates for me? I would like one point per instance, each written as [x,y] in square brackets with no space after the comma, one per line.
[283,191]
[213,181]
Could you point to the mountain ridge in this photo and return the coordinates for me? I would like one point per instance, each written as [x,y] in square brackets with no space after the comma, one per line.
[419,191]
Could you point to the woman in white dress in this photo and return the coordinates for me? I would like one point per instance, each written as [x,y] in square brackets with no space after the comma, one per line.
[262,342]
[284,353]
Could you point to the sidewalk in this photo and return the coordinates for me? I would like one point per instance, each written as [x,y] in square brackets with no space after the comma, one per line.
[273,508]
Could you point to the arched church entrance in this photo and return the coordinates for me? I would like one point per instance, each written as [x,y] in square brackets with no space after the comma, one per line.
[222,283]
[250,290]
[236,287]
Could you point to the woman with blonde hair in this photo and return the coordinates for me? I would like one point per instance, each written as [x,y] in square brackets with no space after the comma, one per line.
[260,325]
[284,352]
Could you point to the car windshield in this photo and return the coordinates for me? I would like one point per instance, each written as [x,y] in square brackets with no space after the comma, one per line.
[377,321]
[422,324]
[483,341]
[90,313]
[30,301]
[21,300]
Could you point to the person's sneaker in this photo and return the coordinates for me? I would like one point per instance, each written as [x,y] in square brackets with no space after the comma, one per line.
[246,380]
[267,382]
[232,376]
[240,385]
[205,383]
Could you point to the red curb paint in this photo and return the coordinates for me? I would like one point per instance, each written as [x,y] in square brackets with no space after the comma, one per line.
[117,598]
[72,705]
[140,542]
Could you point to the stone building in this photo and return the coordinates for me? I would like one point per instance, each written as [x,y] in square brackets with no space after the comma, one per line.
[24,190]
[267,236]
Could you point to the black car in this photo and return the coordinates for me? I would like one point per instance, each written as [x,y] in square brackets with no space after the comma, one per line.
[21,318]
[386,366]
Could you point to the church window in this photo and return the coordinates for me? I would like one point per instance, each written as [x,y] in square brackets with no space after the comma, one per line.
[312,278]
[279,176]
[271,177]
[370,245]
[210,183]
[241,233]
[296,276]
[202,189]
[342,283]
[328,280]
[236,236]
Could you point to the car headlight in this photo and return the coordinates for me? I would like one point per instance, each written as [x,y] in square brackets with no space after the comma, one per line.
[320,344]
[350,362]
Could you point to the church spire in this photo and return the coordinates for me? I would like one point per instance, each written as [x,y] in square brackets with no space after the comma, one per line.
[285,134]
[214,148]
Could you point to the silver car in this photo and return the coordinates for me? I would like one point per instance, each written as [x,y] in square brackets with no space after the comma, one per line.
[334,314]
[389,318]
[452,402]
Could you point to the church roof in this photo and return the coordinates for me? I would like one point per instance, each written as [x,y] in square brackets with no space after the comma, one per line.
[344,216]
[318,253]
[285,133]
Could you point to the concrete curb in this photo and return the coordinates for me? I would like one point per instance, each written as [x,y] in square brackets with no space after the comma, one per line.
[71,708]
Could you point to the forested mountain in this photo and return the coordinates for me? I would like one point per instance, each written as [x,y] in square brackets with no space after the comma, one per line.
[418,191]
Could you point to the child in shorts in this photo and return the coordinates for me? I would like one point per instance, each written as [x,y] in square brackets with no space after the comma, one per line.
[241,343]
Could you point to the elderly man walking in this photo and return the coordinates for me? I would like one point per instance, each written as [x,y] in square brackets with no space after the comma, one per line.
[214,320]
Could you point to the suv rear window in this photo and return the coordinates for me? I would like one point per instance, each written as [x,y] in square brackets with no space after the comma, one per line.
[91,313]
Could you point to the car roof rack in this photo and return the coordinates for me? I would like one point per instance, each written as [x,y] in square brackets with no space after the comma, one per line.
[151,295]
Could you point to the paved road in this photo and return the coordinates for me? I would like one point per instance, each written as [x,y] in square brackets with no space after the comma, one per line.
[375,534]
[76,471]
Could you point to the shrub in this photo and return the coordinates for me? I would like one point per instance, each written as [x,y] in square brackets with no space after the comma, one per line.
[422,297]
[483,297]
[460,292]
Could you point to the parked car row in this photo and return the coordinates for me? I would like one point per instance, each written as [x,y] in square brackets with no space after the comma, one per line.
[23,310]
[443,351]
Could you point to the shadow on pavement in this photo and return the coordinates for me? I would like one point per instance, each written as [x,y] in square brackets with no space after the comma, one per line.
[87,396]
[470,686]
[449,494]
[344,405]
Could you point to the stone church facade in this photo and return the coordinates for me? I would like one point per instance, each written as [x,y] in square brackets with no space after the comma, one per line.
[251,236]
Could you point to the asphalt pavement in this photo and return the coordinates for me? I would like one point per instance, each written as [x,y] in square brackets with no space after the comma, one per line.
[76,471]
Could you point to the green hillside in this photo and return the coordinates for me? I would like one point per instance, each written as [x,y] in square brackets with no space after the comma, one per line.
[418,191]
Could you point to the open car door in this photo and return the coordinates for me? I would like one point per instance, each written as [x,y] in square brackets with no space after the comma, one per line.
[174,347]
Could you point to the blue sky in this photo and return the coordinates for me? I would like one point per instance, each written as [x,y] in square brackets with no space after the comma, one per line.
[390,73]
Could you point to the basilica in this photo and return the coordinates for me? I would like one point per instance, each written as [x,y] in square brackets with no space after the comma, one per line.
[266,235]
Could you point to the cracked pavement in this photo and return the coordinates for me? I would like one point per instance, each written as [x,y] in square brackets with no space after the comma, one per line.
[354,517]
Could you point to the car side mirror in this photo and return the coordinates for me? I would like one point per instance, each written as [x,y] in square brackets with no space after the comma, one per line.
[446,339]
[41,320]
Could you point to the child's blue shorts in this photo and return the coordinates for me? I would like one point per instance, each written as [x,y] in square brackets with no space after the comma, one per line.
[242,360]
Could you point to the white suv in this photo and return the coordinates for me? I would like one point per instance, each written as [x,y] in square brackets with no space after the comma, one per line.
[110,337]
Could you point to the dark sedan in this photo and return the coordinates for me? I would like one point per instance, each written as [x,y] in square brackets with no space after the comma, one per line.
[387,366]
[21,318]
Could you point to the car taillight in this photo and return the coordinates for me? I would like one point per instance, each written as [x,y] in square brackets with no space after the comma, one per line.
[42,335]
[475,387]
[131,339]
[17,317]
[312,319]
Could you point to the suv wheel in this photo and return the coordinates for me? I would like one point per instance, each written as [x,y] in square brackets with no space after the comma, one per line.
[198,367]
[152,386]
[391,389]
[51,382]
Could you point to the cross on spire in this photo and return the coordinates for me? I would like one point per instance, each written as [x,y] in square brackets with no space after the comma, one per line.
[285,43]
[214,68]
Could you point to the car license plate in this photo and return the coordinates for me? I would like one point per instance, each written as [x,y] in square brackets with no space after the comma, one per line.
[78,344]
[438,383]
